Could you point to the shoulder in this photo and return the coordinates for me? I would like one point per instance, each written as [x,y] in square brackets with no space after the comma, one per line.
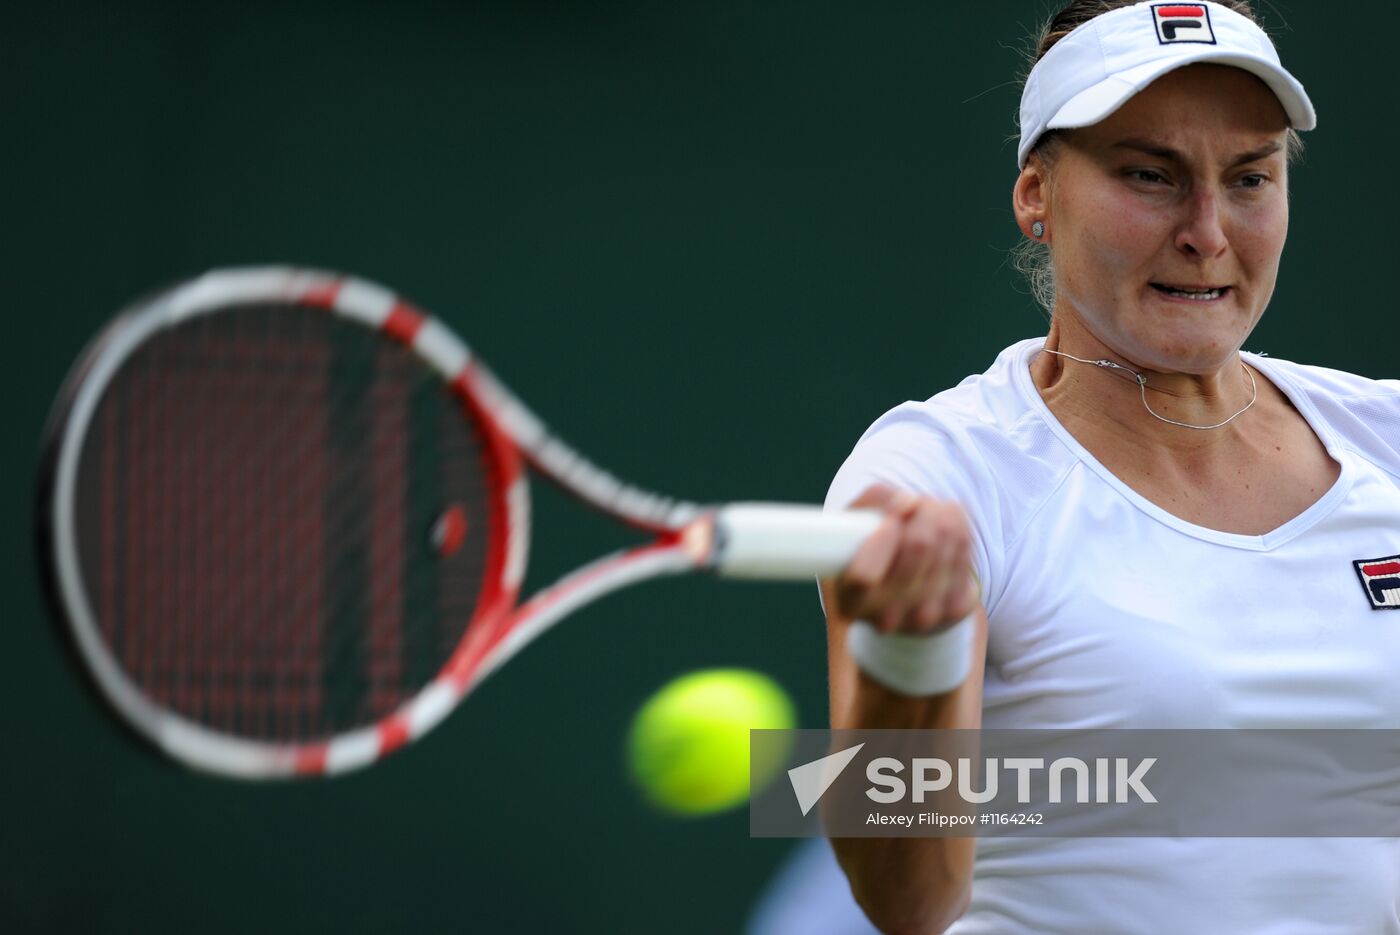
[922,445]
[983,443]
[1326,383]
[1362,413]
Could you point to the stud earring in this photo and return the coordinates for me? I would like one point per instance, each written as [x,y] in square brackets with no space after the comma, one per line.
[1038,229]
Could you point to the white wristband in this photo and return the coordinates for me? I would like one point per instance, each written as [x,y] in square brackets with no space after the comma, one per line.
[913,664]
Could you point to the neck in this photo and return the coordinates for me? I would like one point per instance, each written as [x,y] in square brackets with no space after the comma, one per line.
[1101,398]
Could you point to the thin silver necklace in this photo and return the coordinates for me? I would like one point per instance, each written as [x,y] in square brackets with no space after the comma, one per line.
[1142,386]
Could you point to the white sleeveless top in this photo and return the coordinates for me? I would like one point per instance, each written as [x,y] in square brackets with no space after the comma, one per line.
[1105,611]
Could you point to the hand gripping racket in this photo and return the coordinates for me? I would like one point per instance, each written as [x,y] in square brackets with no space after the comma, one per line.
[284,515]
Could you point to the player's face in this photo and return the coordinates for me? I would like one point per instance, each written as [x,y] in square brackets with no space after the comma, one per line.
[1167,219]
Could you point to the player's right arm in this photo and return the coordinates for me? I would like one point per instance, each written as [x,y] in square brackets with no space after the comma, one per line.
[914,575]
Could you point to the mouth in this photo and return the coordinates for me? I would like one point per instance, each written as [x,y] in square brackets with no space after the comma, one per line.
[1192,292]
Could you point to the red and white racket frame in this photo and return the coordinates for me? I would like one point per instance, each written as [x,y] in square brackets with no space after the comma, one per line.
[746,540]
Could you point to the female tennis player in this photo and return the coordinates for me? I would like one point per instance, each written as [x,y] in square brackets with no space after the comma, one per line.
[1131,522]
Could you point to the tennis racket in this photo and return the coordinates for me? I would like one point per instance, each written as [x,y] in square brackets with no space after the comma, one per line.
[284,517]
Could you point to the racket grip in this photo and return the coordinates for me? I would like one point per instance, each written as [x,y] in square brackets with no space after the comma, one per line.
[787,542]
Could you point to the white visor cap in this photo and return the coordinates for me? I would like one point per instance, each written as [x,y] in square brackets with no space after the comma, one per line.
[1095,69]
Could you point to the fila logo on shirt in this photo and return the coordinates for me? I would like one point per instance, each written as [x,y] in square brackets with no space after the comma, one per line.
[1183,22]
[1381,579]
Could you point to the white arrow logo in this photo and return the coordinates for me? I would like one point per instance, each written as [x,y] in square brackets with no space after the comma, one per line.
[811,780]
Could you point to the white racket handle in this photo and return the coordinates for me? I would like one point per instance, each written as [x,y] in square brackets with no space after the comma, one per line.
[787,542]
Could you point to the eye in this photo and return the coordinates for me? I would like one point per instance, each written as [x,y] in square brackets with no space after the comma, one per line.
[1150,176]
[1254,180]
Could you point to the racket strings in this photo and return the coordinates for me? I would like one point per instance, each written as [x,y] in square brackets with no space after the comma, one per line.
[263,488]
[228,503]
[245,499]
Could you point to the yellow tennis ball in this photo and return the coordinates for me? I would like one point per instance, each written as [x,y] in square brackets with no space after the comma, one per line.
[688,747]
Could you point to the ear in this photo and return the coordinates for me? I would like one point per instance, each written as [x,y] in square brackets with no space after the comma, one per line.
[1030,197]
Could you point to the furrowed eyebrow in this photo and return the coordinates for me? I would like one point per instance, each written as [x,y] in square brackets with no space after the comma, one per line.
[1152,148]
[1255,155]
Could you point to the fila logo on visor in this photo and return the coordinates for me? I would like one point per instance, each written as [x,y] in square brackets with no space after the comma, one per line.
[1183,22]
[1381,579]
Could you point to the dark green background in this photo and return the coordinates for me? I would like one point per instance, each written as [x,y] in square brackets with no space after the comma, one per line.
[709,242]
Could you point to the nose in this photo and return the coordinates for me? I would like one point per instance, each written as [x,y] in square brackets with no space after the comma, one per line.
[1202,232]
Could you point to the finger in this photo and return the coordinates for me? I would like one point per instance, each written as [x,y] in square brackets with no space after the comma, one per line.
[920,549]
[858,584]
[934,597]
[886,498]
[876,496]
[920,564]
[942,589]
[964,601]
[894,618]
